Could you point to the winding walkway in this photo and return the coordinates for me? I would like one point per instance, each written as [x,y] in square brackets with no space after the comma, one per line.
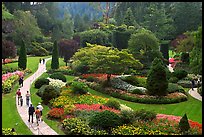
[195,94]
[43,128]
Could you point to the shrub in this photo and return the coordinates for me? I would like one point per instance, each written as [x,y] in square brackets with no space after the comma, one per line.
[200,90]
[173,79]
[137,91]
[185,83]
[56,83]
[8,131]
[41,81]
[156,80]
[172,87]
[183,124]
[56,113]
[79,87]
[49,93]
[75,126]
[91,79]
[113,104]
[127,116]
[131,80]
[58,75]
[180,74]
[41,90]
[144,115]
[105,120]
[185,57]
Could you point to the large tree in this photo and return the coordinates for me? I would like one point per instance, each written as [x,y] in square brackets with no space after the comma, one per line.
[8,49]
[22,60]
[101,59]
[129,18]
[55,57]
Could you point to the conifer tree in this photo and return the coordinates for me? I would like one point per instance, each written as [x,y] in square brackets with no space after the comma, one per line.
[55,57]
[183,123]
[22,60]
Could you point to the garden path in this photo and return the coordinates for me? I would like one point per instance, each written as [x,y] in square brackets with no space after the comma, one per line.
[43,128]
[195,94]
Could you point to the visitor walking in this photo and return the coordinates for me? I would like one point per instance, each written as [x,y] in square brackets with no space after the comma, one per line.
[31,111]
[27,98]
[40,108]
[21,82]
[193,83]
[19,95]
[38,115]
[21,100]
[43,61]
[40,60]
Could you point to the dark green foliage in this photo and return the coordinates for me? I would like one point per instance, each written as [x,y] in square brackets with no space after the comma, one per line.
[79,87]
[113,104]
[127,116]
[105,120]
[164,48]
[120,39]
[173,79]
[41,81]
[180,74]
[183,124]
[37,50]
[22,60]
[91,79]
[58,75]
[48,46]
[129,18]
[41,90]
[55,57]
[131,80]
[94,37]
[137,91]
[172,87]
[49,93]
[157,82]
[185,57]
[82,68]
[145,115]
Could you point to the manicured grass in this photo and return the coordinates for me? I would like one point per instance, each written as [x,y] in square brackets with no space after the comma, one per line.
[10,114]
[192,107]
[61,63]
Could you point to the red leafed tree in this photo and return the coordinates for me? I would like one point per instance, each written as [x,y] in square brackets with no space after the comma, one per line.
[8,50]
[67,48]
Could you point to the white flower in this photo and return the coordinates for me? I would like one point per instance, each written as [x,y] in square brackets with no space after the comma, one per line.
[56,83]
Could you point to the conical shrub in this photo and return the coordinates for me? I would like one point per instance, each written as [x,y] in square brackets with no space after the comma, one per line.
[183,124]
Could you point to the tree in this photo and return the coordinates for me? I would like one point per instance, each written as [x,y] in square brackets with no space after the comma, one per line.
[22,60]
[196,53]
[159,22]
[157,82]
[187,16]
[101,59]
[67,48]
[129,18]
[144,46]
[8,49]
[55,57]
[183,123]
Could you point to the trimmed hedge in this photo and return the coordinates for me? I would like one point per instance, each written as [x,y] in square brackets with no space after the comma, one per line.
[58,75]
[41,81]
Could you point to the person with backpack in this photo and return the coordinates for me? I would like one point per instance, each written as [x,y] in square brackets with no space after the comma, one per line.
[38,115]
[31,111]
[27,98]
[19,95]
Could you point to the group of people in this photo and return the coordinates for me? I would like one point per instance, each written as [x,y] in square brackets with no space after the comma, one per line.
[42,60]
[37,112]
[20,97]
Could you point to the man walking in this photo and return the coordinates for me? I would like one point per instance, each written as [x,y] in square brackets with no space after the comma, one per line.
[19,95]
[27,98]
[31,111]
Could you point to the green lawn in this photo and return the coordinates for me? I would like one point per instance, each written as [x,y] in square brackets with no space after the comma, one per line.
[10,114]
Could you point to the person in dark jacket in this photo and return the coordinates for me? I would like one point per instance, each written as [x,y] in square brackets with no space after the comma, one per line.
[193,83]
[31,111]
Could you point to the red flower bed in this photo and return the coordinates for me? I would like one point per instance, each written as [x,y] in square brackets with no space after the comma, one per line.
[99,76]
[95,107]
[57,113]
[192,124]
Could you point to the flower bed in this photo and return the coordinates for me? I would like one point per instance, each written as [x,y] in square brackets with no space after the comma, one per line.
[56,83]
[99,76]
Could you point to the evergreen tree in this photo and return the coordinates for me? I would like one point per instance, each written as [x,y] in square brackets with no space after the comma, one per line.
[22,60]
[129,18]
[183,123]
[55,57]
[157,82]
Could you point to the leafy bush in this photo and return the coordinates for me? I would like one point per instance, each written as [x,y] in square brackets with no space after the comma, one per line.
[58,75]
[75,126]
[56,83]
[49,93]
[185,83]
[56,113]
[105,120]
[173,79]
[91,79]
[41,81]
[127,116]
[113,104]
[200,90]
[79,87]
[41,90]
[137,91]
[180,74]
[183,124]
[144,115]
[131,80]
[172,87]
[8,131]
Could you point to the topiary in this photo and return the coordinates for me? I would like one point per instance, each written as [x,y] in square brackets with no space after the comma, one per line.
[49,93]
[183,124]
[113,104]
[41,81]
[58,75]
[105,120]
[157,82]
